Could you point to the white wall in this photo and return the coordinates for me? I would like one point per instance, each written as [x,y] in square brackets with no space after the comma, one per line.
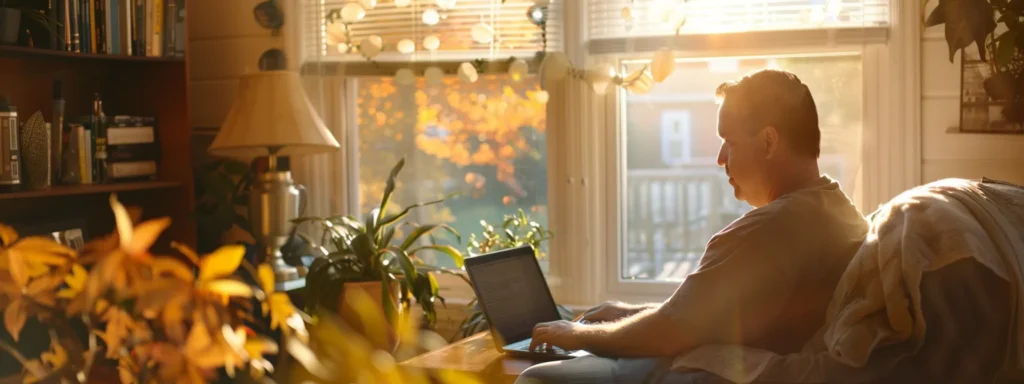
[224,43]
[947,154]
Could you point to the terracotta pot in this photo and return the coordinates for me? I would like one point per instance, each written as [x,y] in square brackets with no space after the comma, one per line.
[381,335]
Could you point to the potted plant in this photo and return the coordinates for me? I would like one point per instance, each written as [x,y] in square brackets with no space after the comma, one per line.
[153,318]
[515,231]
[367,254]
[995,77]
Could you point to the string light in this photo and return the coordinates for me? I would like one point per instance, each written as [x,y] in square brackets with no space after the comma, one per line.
[555,66]
[431,43]
[431,17]
[352,12]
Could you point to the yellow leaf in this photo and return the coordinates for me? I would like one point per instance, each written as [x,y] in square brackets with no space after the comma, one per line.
[267,278]
[119,323]
[75,281]
[122,220]
[41,245]
[256,347]
[448,376]
[228,287]
[222,262]
[145,235]
[43,285]
[35,270]
[16,262]
[14,318]
[173,267]
[34,371]
[56,357]
[281,308]
[125,370]
[7,235]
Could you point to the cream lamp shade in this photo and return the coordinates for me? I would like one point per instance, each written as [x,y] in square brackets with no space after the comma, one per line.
[272,115]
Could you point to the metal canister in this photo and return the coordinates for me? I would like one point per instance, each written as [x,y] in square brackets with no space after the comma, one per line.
[10,158]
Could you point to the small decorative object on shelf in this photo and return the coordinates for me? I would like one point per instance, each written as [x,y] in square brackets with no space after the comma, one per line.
[35,151]
[10,158]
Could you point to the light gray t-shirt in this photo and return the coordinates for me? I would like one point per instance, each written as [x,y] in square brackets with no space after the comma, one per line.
[765,281]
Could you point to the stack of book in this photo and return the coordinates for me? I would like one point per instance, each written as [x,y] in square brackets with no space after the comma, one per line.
[154,28]
[132,152]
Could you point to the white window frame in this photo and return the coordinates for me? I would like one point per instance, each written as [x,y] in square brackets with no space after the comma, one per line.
[891,160]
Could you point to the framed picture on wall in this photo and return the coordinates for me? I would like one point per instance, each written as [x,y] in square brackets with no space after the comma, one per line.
[989,102]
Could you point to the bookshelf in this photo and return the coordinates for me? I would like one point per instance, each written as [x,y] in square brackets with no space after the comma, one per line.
[129,85]
[27,52]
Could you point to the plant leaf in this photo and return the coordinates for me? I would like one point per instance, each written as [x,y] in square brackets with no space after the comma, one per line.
[389,189]
[18,270]
[967,21]
[145,235]
[446,249]
[162,265]
[425,230]
[7,235]
[406,263]
[15,317]
[266,273]
[392,219]
[1006,47]
[222,262]
[229,287]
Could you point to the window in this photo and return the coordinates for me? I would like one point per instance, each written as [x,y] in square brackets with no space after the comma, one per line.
[671,208]
[483,141]
[665,193]
[630,183]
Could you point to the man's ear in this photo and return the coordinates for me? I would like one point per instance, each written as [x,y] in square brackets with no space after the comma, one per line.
[771,141]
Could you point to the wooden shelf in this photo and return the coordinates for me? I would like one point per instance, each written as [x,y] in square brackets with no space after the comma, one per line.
[26,52]
[69,190]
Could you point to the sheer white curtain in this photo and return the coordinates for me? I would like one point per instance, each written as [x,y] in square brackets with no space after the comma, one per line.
[324,175]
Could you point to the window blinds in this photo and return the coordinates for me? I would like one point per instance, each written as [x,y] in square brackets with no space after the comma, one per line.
[659,18]
[515,34]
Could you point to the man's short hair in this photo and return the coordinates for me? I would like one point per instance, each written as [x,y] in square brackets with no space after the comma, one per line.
[776,98]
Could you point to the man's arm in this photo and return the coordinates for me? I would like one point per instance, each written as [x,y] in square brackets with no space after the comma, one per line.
[647,333]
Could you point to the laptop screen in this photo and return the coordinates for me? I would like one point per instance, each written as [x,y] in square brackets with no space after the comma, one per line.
[511,289]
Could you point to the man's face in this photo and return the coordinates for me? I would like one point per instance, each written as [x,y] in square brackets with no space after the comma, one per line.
[744,157]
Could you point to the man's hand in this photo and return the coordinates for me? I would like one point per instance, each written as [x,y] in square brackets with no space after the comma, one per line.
[608,311]
[561,333]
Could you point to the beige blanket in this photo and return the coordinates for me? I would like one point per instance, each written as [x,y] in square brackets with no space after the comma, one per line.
[878,300]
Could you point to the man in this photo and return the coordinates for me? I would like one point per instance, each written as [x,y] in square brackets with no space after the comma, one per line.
[764,281]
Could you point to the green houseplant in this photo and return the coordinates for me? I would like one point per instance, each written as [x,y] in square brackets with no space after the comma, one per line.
[368,251]
[516,230]
[976,22]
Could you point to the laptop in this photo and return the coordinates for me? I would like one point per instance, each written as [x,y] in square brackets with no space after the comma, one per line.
[514,297]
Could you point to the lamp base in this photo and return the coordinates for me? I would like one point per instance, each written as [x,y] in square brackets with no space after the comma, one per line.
[282,271]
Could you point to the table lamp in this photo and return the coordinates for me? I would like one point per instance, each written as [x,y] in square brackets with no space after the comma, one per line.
[272,117]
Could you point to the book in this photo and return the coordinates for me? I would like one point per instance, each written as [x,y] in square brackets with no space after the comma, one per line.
[133,152]
[139,23]
[158,27]
[143,169]
[123,135]
[113,18]
[73,19]
[125,29]
[91,5]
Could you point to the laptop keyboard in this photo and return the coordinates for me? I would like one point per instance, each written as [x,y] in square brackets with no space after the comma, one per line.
[524,346]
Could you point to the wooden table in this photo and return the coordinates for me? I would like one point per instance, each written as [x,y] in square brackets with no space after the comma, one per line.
[474,355]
